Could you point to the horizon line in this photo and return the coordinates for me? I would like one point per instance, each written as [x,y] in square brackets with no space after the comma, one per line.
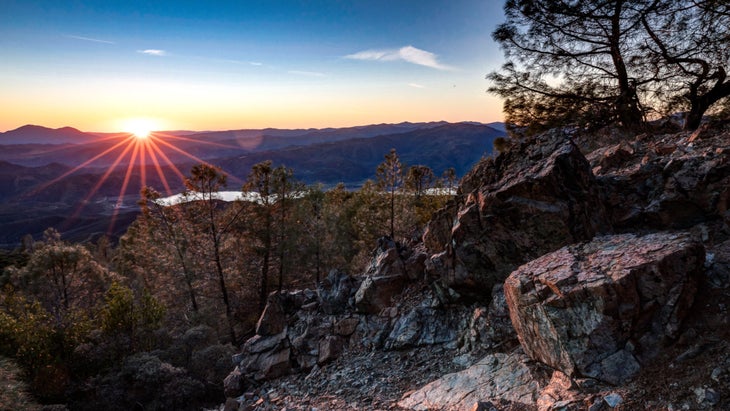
[259,128]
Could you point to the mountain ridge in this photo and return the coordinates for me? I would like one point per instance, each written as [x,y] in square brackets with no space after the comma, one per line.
[35,134]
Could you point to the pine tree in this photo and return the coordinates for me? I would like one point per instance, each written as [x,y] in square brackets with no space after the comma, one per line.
[389,177]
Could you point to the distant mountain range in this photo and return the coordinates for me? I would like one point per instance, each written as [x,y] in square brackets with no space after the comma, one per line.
[64,177]
[30,134]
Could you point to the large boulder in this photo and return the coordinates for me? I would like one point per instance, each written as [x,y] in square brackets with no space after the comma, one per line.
[508,379]
[599,309]
[533,199]
[273,351]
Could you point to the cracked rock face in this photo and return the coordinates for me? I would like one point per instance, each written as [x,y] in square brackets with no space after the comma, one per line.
[599,309]
[661,182]
[533,199]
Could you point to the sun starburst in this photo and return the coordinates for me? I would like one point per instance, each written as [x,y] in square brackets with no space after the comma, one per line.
[140,127]
[143,151]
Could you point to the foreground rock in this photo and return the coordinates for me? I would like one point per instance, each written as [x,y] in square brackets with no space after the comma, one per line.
[502,378]
[303,331]
[599,309]
[537,197]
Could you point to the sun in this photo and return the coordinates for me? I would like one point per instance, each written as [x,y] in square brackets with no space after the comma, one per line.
[141,133]
[139,127]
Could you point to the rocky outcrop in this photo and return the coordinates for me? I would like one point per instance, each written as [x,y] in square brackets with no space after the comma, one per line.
[438,230]
[301,330]
[385,277]
[273,351]
[307,339]
[662,182]
[533,199]
[568,324]
[599,309]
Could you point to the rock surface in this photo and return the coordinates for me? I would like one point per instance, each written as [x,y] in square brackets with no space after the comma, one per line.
[375,293]
[598,309]
[385,277]
[337,292]
[425,326]
[533,199]
[665,182]
[502,378]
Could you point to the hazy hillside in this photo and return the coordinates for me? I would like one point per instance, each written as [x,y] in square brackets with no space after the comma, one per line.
[31,134]
[37,146]
[353,161]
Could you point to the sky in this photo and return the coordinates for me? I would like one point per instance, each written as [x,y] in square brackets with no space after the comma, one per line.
[208,65]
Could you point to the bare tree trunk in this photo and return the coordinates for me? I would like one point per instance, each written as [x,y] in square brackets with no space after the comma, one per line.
[627,107]
[699,104]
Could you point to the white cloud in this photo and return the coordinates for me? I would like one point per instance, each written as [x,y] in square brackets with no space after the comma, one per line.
[239,62]
[415,85]
[307,73]
[153,52]
[384,55]
[89,39]
[408,54]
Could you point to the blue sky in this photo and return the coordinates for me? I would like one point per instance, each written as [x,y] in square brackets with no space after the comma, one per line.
[248,64]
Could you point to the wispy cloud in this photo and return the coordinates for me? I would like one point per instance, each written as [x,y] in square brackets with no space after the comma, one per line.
[89,39]
[153,52]
[408,54]
[307,73]
[239,62]
[415,85]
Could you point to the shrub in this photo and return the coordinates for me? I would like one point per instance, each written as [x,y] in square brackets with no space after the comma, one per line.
[130,322]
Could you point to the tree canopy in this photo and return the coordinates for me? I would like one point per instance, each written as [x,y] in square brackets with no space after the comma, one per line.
[589,64]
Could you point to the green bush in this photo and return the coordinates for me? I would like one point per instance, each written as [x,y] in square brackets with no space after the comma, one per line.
[129,321]
[40,342]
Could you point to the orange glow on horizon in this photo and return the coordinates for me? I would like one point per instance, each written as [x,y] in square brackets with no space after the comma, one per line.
[140,127]
[139,152]
[203,113]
